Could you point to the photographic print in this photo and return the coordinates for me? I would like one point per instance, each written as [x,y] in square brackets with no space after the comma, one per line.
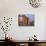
[26,20]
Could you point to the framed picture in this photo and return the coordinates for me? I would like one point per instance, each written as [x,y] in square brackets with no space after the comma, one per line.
[26,20]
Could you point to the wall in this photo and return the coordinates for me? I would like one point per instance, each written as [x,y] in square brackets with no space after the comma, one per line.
[11,8]
[45,29]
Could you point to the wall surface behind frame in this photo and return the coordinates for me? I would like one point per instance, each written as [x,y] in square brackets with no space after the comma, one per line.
[11,8]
